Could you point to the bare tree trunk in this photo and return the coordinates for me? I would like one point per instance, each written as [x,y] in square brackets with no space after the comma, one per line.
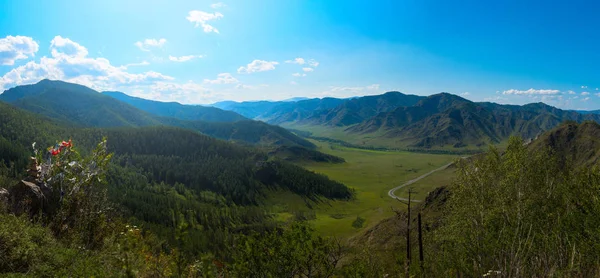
[421,243]
[408,236]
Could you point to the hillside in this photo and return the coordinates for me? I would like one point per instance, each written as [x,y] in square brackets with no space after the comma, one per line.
[325,111]
[449,120]
[177,110]
[248,109]
[78,105]
[297,111]
[356,110]
[578,144]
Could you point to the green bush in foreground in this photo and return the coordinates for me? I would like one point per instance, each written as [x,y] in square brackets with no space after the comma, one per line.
[520,214]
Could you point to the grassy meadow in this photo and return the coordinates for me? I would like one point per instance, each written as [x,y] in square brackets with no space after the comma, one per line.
[372,174]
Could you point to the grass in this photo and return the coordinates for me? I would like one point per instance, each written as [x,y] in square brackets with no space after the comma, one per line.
[428,184]
[372,174]
[376,139]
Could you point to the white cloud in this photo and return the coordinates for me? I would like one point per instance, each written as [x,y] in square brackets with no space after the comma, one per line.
[184,58]
[16,48]
[63,47]
[571,92]
[142,63]
[297,74]
[530,92]
[218,5]
[200,18]
[146,44]
[258,66]
[335,91]
[308,69]
[585,93]
[250,87]
[299,61]
[465,94]
[293,83]
[495,99]
[302,61]
[222,78]
[69,62]
[584,87]
[585,99]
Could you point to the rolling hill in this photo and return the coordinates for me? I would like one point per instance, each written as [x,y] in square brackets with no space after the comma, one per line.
[577,143]
[77,105]
[177,110]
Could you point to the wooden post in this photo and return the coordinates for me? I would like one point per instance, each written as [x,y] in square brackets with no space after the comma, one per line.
[421,244]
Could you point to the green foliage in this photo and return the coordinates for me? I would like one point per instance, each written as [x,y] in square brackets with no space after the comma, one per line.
[24,246]
[358,223]
[293,252]
[520,213]
[78,189]
[77,105]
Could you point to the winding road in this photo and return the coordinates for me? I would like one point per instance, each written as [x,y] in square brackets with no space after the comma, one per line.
[391,192]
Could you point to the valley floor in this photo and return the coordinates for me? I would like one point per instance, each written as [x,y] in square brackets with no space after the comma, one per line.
[372,174]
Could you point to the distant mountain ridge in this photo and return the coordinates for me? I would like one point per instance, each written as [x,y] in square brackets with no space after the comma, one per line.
[446,119]
[177,110]
[398,120]
[81,106]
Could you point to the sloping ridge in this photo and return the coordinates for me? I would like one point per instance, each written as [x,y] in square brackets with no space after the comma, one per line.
[177,110]
[577,143]
[446,119]
[77,105]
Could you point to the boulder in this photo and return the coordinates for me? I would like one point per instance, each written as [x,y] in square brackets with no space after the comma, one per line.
[26,197]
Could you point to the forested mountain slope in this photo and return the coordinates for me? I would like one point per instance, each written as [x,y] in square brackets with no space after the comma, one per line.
[78,105]
[177,110]
[446,119]
[161,173]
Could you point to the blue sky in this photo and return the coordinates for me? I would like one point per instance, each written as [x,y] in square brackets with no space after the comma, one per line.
[207,51]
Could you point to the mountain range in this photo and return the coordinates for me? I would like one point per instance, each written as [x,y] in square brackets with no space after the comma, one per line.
[389,120]
[397,120]
[79,106]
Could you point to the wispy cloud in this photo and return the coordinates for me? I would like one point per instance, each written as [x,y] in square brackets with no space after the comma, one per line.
[530,92]
[218,5]
[299,61]
[184,58]
[142,63]
[258,66]
[297,74]
[16,48]
[146,44]
[308,69]
[250,87]
[585,93]
[222,78]
[342,91]
[200,18]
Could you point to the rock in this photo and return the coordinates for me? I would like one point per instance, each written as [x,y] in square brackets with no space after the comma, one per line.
[4,197]
[26,197]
